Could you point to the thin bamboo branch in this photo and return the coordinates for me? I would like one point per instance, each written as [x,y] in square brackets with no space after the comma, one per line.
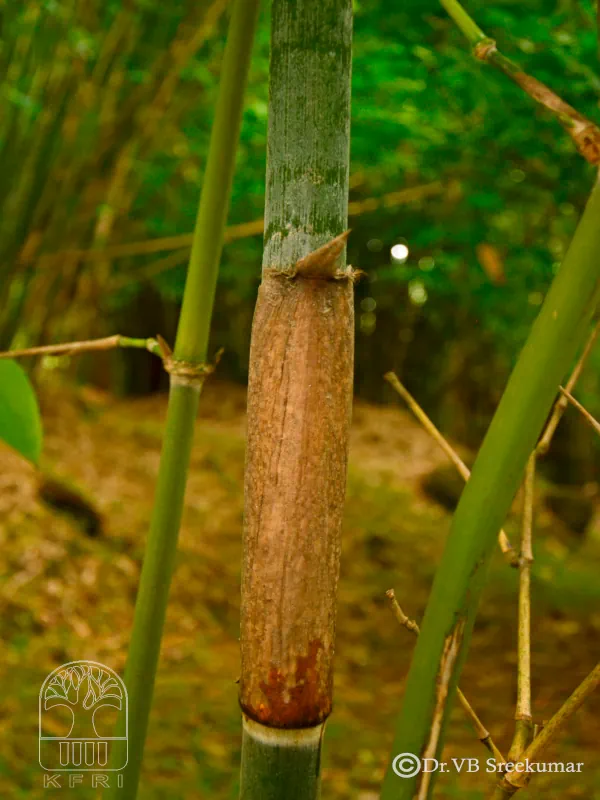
[481,731]
[562,402]
[89,346]
[582,410]
[503,540]
[241,231]
[515,780]
[584,133]
[523,716]
[174,259]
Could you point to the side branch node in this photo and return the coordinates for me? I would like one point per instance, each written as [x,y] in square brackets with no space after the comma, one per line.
[185,373]
[484,49]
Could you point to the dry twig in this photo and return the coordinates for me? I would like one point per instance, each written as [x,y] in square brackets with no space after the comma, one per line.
[482,732]
[562,402]
[503,540]
[582,410]
[523,715]
[89,346]
[515,780]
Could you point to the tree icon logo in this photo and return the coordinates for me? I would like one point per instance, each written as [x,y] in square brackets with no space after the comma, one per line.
[80,703]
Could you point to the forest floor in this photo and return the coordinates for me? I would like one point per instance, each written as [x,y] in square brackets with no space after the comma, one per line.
[65,596]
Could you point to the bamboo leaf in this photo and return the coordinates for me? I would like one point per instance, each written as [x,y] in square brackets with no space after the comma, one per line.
[20,423]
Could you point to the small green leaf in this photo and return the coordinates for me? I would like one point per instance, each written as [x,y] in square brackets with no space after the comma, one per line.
[20,423]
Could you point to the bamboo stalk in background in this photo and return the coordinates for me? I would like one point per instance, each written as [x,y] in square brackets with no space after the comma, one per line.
[187,368]
[299,405]
[235,232]
[558,332]
[83,120]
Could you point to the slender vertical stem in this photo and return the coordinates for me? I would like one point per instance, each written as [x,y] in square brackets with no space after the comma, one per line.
[523,718]
[299,404]
[190,353]
[194,327]
[555,337]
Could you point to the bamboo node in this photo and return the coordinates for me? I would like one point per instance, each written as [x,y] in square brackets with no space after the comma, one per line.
[347,274]
[321,264]
[185,373]
[588,143]
[522,717]
[484,49]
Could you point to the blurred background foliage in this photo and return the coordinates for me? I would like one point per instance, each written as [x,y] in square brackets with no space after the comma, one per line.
[106,115]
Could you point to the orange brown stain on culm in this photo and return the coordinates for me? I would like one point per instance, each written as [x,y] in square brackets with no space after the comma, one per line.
[294,700]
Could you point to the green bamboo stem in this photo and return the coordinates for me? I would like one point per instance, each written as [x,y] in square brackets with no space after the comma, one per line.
[189,356]
[299,406]
[193,331]
[279,764]
[464,22]
[555,337]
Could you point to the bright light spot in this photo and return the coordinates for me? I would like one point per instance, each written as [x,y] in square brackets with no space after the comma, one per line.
[400,252]
[417,293]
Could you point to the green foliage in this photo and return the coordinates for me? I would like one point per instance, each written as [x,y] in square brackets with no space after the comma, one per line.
[423,110]
[436,113]
[20,423]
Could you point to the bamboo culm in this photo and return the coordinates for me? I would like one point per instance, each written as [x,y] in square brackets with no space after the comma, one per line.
[299,405]
[187,369]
